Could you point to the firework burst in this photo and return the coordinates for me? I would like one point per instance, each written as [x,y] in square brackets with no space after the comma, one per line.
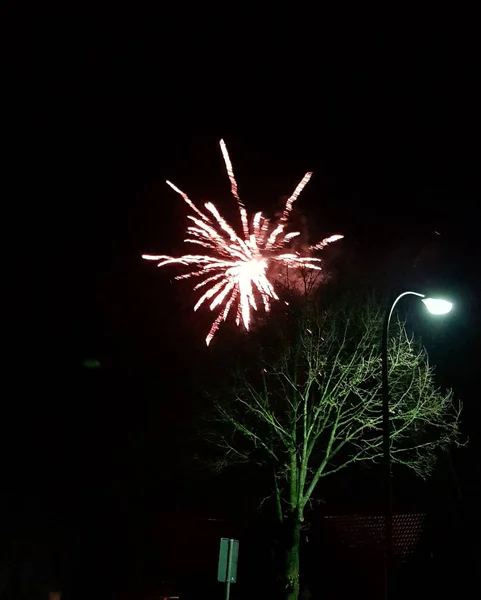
[234,269]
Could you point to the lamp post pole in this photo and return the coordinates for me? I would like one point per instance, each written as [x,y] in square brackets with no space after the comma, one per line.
[386,435]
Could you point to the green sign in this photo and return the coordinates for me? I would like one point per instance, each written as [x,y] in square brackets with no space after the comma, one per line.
[228,557]
[91,363]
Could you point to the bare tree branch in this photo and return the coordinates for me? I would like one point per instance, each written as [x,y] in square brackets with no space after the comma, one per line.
[315,408]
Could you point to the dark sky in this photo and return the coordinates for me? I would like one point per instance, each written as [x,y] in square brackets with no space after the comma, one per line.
[107,105]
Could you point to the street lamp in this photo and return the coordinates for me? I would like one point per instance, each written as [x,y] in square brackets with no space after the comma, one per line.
[435,306]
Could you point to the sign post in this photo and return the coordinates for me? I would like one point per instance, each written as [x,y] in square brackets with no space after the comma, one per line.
[228,558]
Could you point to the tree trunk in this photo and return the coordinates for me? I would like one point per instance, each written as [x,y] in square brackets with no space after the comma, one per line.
[292,561]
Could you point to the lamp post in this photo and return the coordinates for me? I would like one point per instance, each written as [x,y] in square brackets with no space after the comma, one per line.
[435,306]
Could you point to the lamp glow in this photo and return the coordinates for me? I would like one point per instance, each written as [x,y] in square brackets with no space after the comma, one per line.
[436,306]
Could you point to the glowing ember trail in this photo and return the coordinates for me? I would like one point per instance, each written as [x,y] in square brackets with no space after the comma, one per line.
[234,272]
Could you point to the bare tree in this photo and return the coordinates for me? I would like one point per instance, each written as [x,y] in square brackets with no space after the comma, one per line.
[310,405]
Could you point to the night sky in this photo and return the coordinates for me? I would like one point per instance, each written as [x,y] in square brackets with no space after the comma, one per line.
[107,105]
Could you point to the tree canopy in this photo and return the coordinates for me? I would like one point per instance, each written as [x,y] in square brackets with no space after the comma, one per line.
[307,403]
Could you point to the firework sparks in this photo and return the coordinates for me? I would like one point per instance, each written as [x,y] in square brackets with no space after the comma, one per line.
[323,243]
[234,272]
